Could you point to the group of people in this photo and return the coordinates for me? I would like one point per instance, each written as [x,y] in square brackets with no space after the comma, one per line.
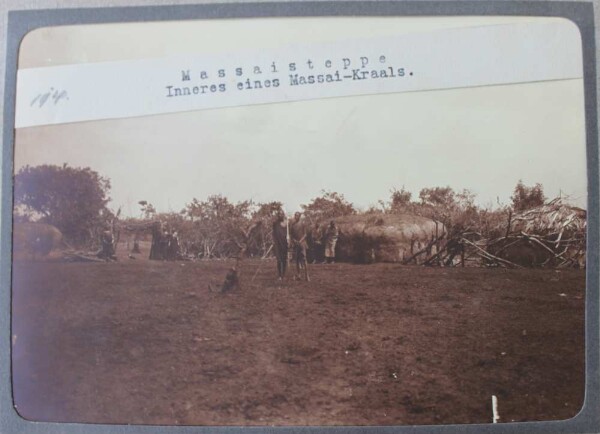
[303,242]
[322,242]
[165,246]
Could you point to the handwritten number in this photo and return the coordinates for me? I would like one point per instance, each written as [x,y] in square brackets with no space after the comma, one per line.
[55,95]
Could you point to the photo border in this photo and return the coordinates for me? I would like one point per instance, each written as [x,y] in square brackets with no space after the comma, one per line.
[580,13]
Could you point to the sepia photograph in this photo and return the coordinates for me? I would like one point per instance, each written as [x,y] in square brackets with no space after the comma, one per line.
[380,221]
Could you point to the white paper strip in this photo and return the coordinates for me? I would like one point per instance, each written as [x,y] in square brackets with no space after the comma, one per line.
[454,58]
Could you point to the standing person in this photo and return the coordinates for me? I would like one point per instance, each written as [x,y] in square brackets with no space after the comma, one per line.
[315,244]
[156,241]
[108,249]
[163,247]
[280,245]
[331,237]
[174,247]
[298,234]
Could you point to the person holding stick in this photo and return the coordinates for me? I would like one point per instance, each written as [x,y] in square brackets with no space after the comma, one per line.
[298,234]
[280,245]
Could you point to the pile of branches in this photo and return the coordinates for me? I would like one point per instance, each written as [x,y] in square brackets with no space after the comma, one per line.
[551,235]
[555,228]
[555,219]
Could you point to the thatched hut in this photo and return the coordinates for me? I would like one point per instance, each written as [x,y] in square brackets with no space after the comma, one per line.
[366,238]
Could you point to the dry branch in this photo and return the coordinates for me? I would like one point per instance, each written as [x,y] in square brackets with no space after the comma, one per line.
[488,255]
[423,250]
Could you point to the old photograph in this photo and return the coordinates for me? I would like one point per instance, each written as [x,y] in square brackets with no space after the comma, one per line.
[289,239]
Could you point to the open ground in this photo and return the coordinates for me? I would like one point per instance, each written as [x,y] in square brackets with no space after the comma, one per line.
[147,342]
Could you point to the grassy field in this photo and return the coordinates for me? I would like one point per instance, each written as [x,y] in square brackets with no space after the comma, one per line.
[137,341]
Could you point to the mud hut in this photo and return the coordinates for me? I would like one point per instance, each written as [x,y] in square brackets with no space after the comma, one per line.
[367,238]
[34,240]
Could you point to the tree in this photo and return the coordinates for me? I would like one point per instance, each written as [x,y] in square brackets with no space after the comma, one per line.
[464,214]
[400,199]
[71,198]
[437,196]
[267,211]
[328,205]
[147,209]
[456,210]
[218,225]
[524,197]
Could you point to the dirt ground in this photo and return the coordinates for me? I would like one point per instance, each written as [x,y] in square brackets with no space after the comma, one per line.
[146,342]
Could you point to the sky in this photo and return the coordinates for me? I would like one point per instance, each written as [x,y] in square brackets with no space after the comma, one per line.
[484,139]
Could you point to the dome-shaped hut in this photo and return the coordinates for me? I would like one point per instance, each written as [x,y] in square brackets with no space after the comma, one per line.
[366,238]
